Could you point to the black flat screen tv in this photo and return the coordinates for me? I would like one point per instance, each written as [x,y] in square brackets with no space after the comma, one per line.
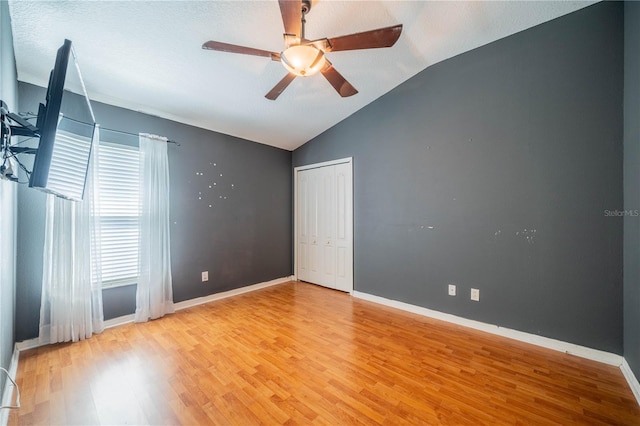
[66,124]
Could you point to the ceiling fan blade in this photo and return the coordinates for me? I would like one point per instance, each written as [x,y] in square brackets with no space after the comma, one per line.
[291,11]
[234,48]
[342,86]
[279,88]
[382,37]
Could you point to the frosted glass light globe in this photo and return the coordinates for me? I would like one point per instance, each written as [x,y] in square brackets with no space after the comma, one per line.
[303,61]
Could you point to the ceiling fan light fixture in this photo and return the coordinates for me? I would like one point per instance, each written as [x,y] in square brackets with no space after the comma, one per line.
[303,60]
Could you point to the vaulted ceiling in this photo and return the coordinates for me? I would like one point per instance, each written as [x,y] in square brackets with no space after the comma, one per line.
[147,55]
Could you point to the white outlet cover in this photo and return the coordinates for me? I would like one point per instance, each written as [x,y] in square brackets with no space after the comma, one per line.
[452,289]
[205,276]
[475,294]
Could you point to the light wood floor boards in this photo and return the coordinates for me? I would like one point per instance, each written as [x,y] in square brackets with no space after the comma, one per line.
[301,354]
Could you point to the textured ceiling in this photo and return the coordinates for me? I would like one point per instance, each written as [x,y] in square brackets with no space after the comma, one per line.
[147,56]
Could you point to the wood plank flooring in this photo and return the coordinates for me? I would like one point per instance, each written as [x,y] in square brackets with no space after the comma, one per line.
[301,354]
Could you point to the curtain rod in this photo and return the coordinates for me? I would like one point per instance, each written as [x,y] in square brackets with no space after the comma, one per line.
[116,131]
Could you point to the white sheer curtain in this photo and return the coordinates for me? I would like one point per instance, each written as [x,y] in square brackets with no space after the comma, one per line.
[154,297]
[71,303]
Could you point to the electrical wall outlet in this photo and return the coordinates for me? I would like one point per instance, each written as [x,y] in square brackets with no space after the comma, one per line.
[475,294]
[205,276]
[452,289]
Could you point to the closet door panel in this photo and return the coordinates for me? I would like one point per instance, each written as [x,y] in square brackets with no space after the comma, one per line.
[303,227]
[316,260]
[327,220]
[344,227]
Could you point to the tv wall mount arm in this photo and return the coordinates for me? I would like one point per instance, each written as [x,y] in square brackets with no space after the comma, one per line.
[21,128]
[14,125]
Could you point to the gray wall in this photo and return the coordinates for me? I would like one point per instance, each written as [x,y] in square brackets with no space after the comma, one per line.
[8,201]
[242,239]
[632,186]
[512,153]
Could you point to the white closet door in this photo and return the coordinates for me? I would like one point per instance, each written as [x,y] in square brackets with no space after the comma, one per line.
[302,226]
[344,227]
[316,264]
[324,225]
[327,220]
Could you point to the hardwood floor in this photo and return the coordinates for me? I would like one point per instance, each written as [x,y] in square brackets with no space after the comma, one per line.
[300,354]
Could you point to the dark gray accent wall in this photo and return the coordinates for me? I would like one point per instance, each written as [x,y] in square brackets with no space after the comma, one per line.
[230,213]
[494,170]
[8,202]
[632,185]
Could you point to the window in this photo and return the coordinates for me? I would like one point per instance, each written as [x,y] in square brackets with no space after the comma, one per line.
[119,207]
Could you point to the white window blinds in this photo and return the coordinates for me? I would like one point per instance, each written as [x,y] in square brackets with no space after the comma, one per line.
[69,159]
[118,176]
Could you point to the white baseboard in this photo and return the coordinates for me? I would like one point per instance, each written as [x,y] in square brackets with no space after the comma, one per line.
[125,319]
[8,386]
[557,345]
[546,342]
[114,322]
[631,379]
[217,296]
[30,344]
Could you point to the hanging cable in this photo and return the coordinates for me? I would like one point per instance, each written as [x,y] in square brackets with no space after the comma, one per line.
[12,407]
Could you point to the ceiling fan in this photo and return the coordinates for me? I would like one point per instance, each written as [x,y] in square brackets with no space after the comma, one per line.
[302,57]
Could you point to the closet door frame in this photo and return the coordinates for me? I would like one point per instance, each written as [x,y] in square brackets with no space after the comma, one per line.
[296,170]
